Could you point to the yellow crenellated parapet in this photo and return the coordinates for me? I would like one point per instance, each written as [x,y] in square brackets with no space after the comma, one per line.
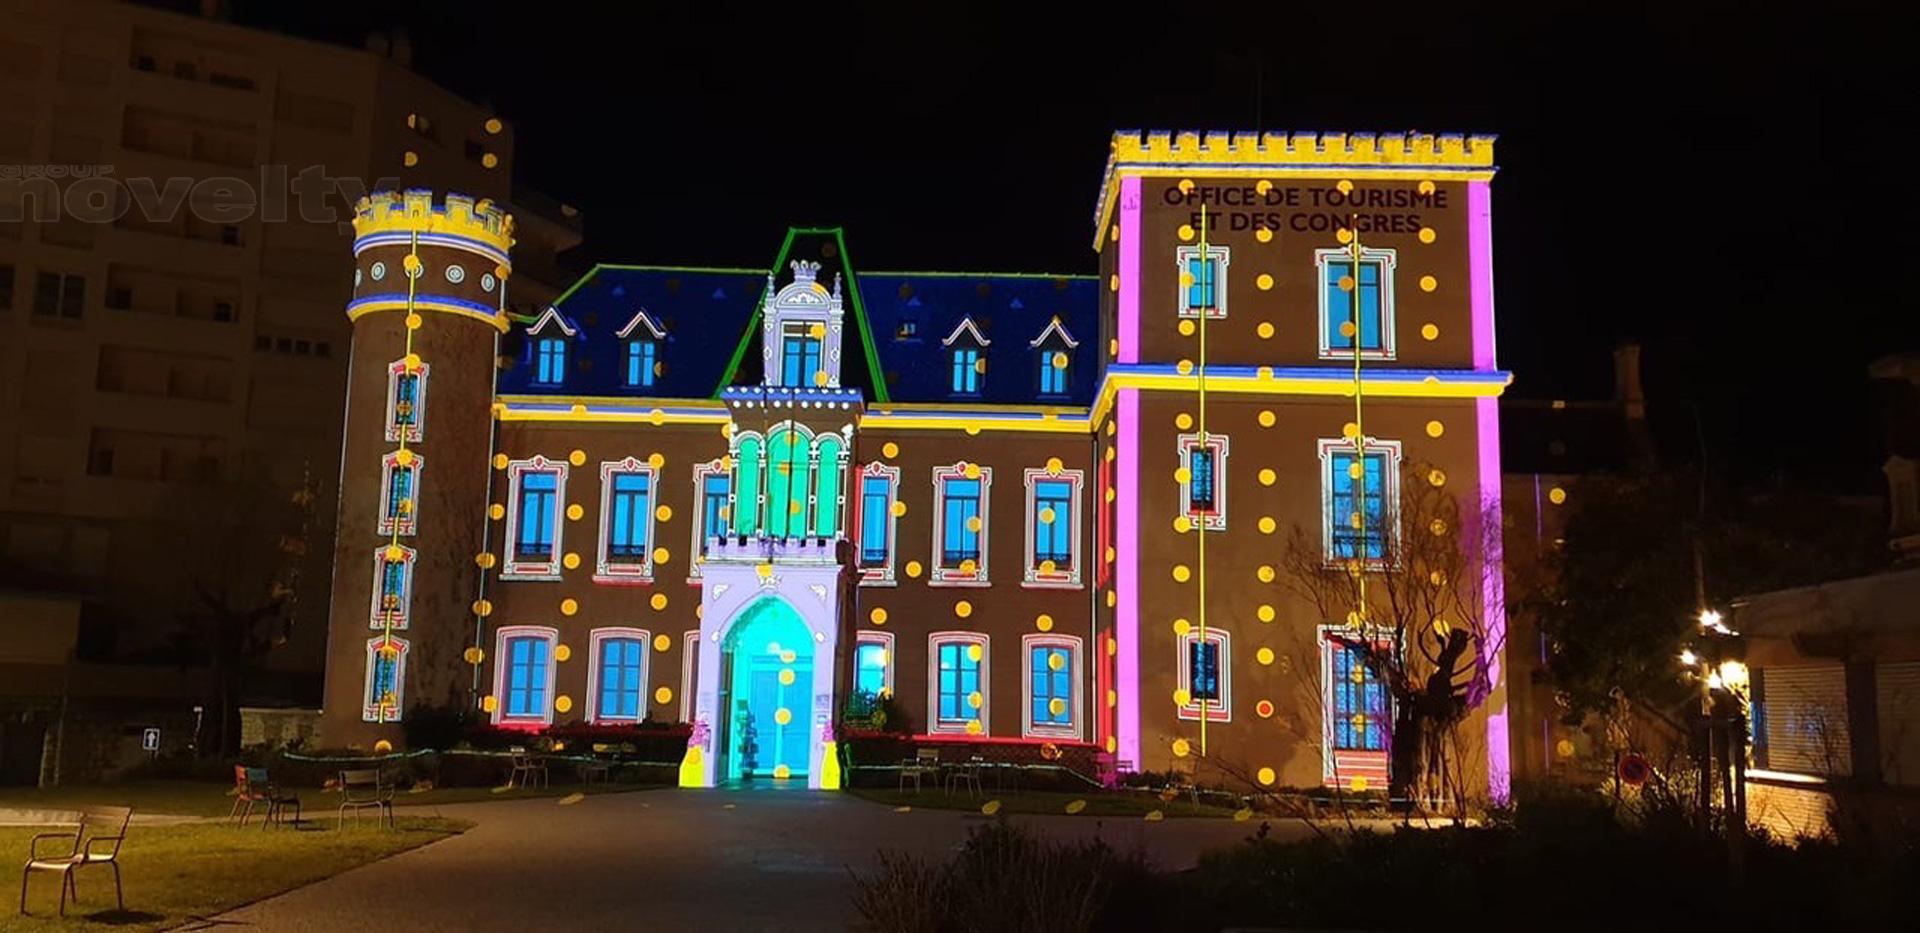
[416,210]
[1219,148]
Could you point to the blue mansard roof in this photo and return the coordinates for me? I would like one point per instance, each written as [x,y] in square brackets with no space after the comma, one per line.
[705,326]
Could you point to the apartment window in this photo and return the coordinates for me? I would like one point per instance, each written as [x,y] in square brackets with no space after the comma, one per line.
[619,674]
[392,586]
[907,329]
[400,492]
[57,295]
[1204,491]
[1053,527]
[960,524]
[800,360]
[1051,677]
[535,495]
[1362,489]
[1356,699]
[958,683]
[406,398]
[879,490]
[524,676]
[713,487]
[873,665]
[626,520]
[640,363]
[386,679]
[1346,295]
[1054,366]
[1205,675]
[969,370]
[550,361]
[1203,281]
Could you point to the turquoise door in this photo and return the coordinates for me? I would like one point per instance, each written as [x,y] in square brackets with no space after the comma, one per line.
[771,695]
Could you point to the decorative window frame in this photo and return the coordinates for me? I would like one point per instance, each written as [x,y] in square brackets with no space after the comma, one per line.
[403,615]
[882,575]
[404,525]
[417,429]
[1387,258]
[605,568]
[1076,731]
[938,575]
[938,726]
[1068,579]
[1215,520]
[886,641]
[759,460]
[371,709]
[502,662]
[515,569]
[640,319]
[842,454]
[1220,710]
[1390,503]
[1054,339]
[1185,254]
[1334,763]
[701,472]
[594,640]
[689,670]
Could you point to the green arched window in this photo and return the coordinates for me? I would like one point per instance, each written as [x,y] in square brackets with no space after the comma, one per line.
[746,486]
[789,478]
[826,498]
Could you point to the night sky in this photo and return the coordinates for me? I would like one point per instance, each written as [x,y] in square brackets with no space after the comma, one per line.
[1718,187]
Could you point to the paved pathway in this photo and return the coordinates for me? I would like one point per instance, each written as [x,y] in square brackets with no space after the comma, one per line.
[667,859]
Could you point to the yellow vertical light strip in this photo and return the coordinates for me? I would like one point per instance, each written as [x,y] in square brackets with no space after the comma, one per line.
[486,523]
[413,492]
[1208,287]
[1364,621]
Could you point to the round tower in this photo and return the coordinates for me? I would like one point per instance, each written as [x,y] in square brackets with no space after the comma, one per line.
[429,293]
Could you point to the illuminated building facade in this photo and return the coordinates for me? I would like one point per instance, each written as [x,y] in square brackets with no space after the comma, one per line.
[733,496]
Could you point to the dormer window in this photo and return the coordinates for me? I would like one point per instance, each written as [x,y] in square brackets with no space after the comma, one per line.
[800,354]
[641,363]
[1053,358]
[642,351]
[550,361]
[966,350]
[800,335]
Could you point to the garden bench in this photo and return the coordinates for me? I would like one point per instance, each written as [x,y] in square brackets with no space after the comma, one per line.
[99,826]
[364,789]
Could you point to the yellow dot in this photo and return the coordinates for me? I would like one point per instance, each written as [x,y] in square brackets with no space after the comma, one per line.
[1564,748]
[1427,234]
[1186,232]
[973,652]
[410,158]
[980,365]
[1426,187]
[1181,573]
[1243,814]
[482,608]
[1267,476]
[577,458]
[496,511]
[1054,465]
[1557,495]
[786,677]
[764,570]
[974,524]
[1183,421]
[484,559]
[658,602]
[1263,281]
[1267,524]
[1428,283]
[1049,567]
[1347,329]
[657,416]
[403,457]
[1345,236]
[1182,524]
[1358,784]
[1181,627]
[499,461]
[1183,367]
[1113,282]
[1355,471]
[489,161]
[1110,553]
[963,609]
[1344,186]
[396,553]
[1430,331]
[663,513]
[1043,622]
[1266,775]
[1181,748]
[1186,328]
[783,715]
[1265,572]
[780,773]
[1181,475]
[662,555]
[663,696]
[1435,429]
[489,703]
[1112,598]
[1265,613]
[820,377]
[899,508]
[913,568]
[990,807]
[656,461]
[1112,742]
[1075,806]
[473,655]
[1113,698]
[889,450]
[571,561]
[1267,418]
[562,703]
[1047,516]
[975,699]
[1350,430]
[787,656]
[1264,656]
[413,321]
[1437,478]
[1265,330]
[569,606]
[971,470]
[878,616]
[662,642]
[575,512]
[1264,234]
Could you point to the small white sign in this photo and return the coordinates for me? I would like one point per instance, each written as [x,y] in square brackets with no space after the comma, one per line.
[150,740]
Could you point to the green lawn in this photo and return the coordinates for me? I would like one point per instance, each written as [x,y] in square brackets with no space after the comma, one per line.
[174,874]
[1095,802]
[205,798]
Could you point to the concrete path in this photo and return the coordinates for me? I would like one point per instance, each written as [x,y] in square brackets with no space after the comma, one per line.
[669,859]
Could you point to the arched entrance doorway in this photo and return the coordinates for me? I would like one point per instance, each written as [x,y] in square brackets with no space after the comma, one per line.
[768,658]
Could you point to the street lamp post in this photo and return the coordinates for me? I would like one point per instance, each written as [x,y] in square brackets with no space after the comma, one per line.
[1724,684]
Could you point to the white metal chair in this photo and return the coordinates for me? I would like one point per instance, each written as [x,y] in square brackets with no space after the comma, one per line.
[99,827]
[925,762]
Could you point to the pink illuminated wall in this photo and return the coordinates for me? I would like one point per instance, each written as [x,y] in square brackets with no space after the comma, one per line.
[1129,270]
[1127,566]
[1487,416]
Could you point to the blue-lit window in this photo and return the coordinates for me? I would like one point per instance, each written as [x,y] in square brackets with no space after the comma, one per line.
[1053,372]
[640,363]
[550,361]
[967,371]
[870,668]
[799,355]
[1050,668]
[393,588]
[961,521]
[1200,479]
[527,677]
[876,514]
[386,675]
[1203,666]
[1203,282]
[629,508]
[1365,496]
[539,502]
[1053,523]
[1340,305]
[713,507]
[386,679]
[957,679]
[406,399]
[1358,701]
[399,495]
[620,678]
